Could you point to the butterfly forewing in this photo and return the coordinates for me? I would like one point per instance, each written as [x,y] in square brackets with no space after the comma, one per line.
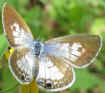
[17,32]
[54,74]
[78,50]
[23,65]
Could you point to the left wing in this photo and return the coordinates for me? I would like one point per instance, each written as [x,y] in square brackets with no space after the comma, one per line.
[77,50]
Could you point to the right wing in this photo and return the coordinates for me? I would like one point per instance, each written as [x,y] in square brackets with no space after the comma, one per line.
[54,74]
[16,30]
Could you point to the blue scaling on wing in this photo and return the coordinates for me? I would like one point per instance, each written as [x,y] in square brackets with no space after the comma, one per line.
[57,49]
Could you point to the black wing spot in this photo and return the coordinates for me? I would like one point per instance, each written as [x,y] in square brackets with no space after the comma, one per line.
[48,85]
[22,77]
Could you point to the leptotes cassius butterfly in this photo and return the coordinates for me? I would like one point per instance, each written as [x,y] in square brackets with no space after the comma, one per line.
[50,63]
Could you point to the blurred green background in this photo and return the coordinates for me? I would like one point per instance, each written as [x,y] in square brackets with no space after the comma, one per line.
[53,18]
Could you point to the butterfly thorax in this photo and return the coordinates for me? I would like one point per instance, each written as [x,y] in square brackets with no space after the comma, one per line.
[37,47]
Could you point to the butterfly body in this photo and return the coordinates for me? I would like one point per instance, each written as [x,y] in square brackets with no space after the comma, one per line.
[37,47]
[50,63]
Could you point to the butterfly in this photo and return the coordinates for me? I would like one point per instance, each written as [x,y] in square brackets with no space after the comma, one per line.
[50,63]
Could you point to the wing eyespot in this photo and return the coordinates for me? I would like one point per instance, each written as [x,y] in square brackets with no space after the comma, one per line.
[48,84]
[22,77]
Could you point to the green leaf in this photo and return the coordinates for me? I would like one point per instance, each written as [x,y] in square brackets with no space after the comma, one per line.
[8,81]
[3,45]
[85,80]
[98,26]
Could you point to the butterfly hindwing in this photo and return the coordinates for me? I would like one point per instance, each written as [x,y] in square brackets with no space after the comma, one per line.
[17,32]
[78,50]
[54,74]
[23,65]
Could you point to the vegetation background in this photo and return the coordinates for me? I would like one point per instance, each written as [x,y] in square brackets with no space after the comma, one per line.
[53,18]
